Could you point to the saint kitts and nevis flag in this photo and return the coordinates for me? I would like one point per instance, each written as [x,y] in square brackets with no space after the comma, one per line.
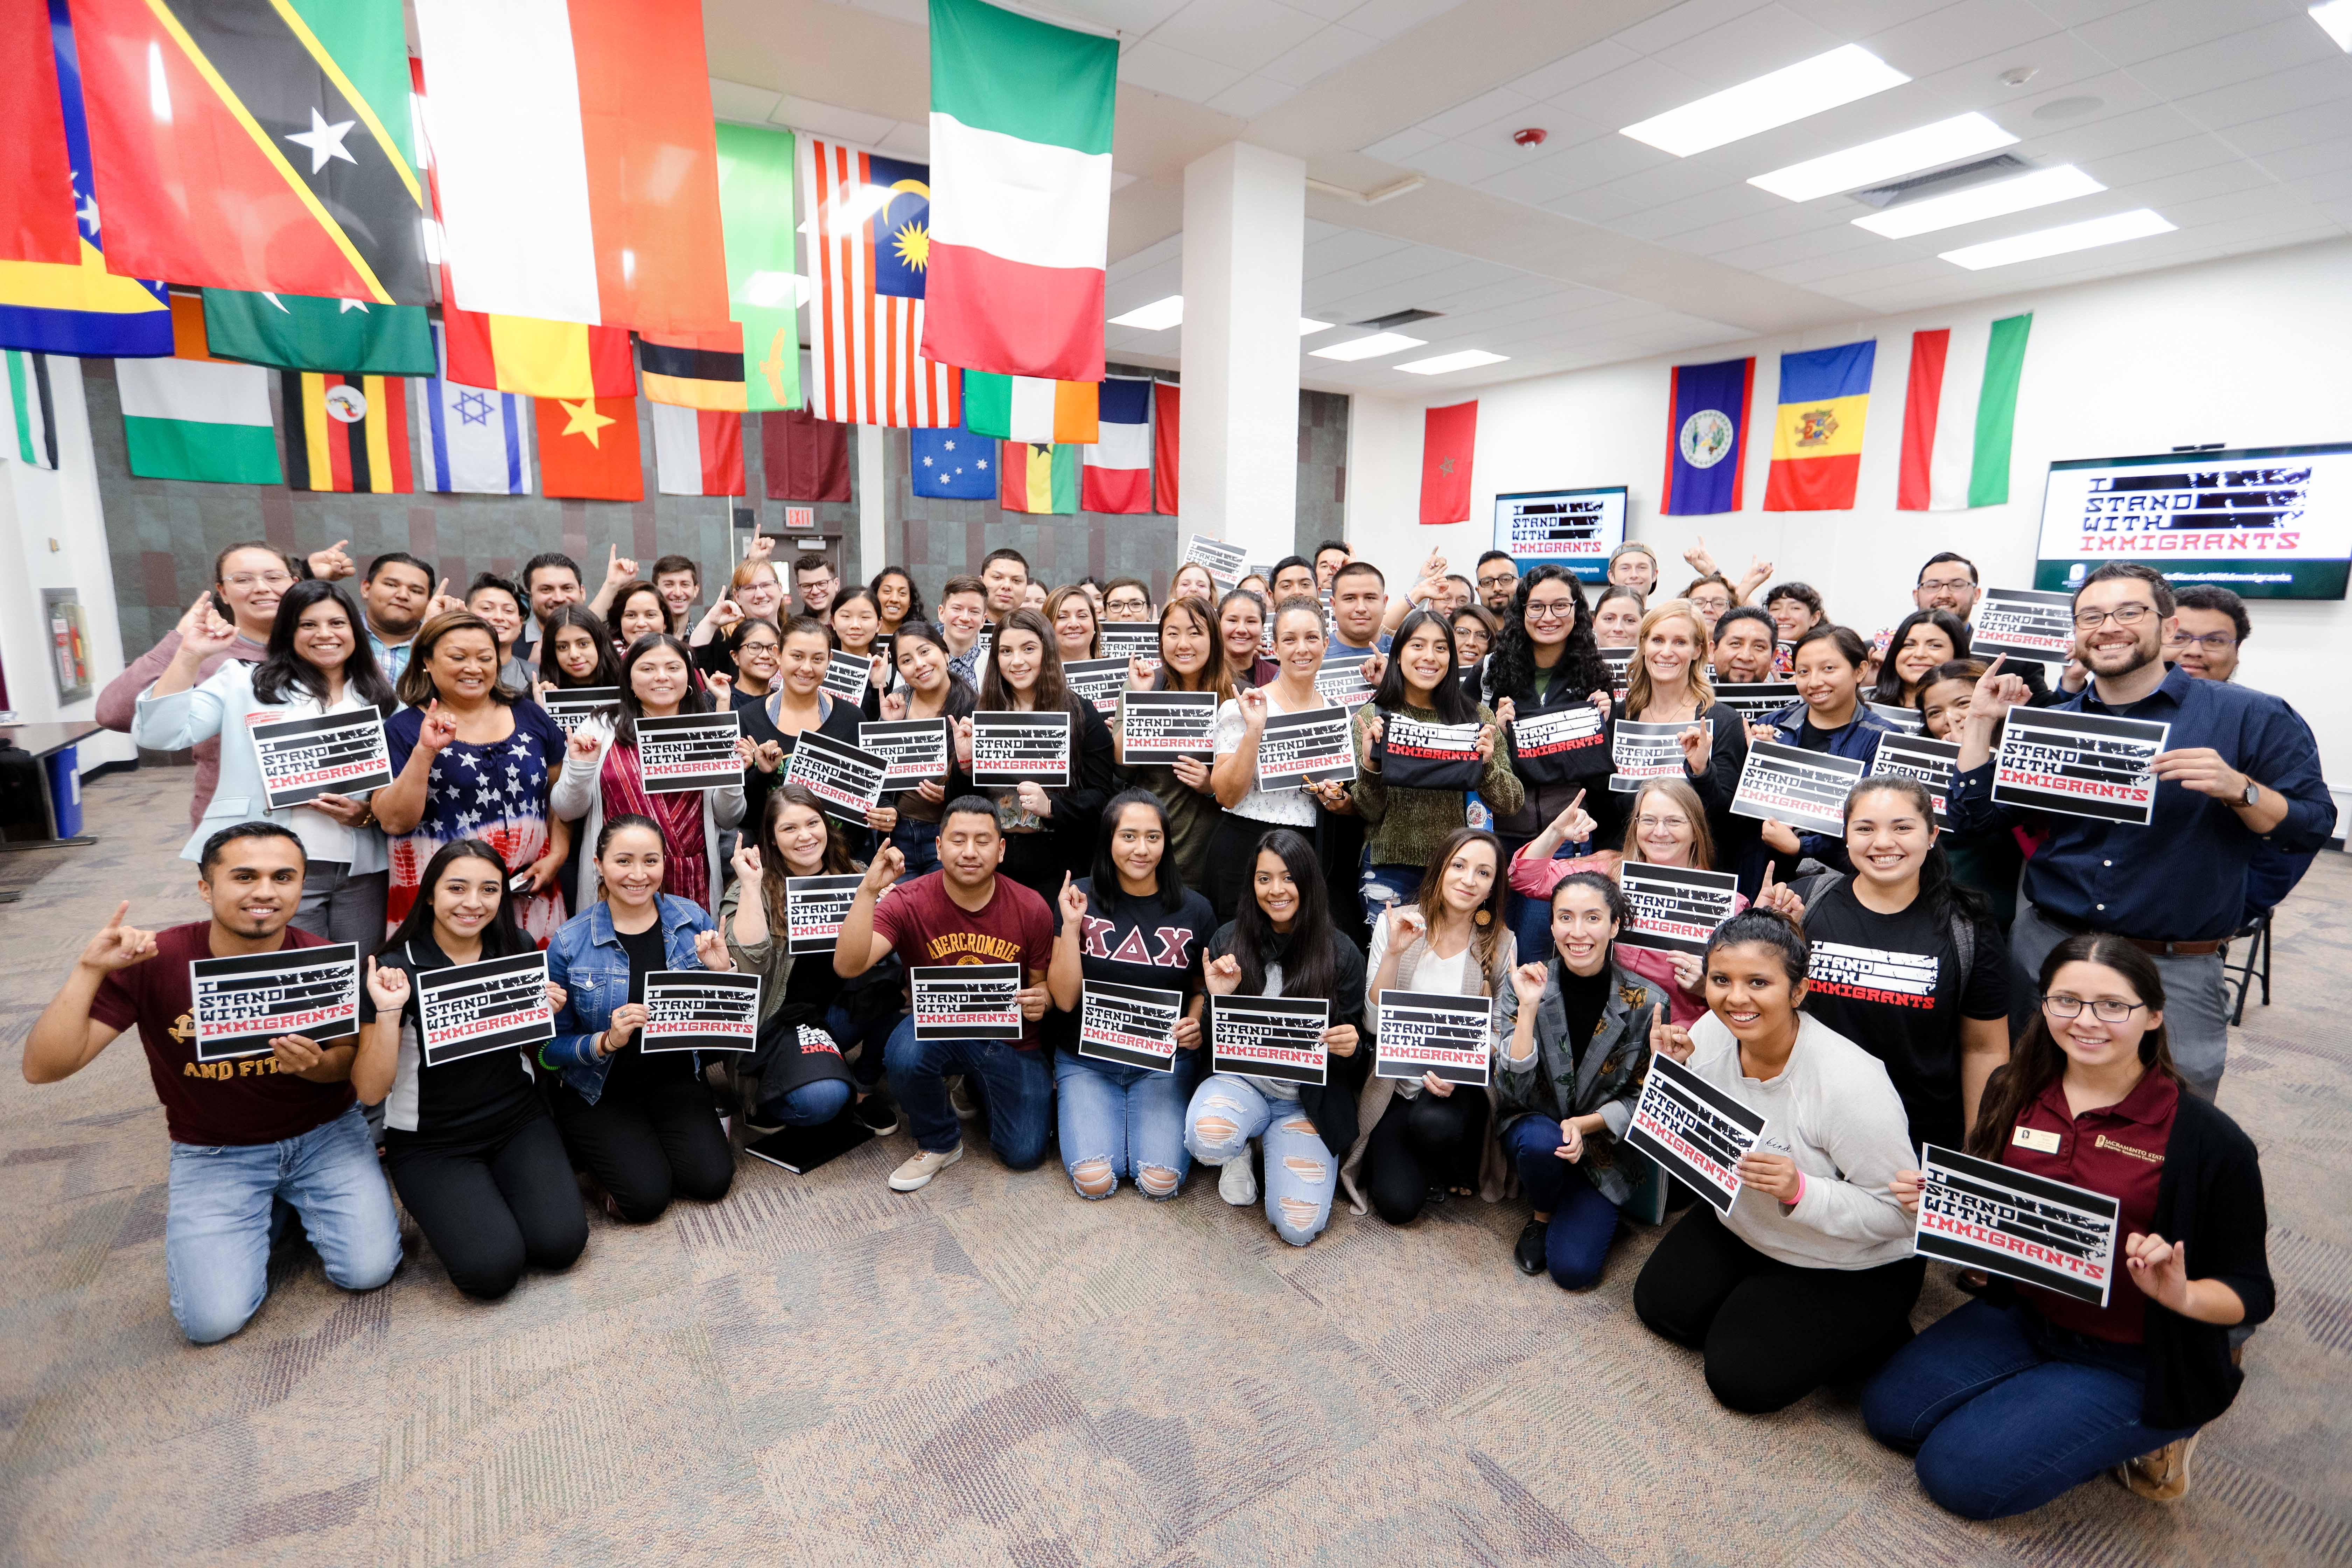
[193,417]
[1958,414]
[1817,440]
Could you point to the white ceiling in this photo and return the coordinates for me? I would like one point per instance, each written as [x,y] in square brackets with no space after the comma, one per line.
[2231,118]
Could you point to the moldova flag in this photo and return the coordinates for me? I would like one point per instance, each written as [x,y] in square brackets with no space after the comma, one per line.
[1817,443]
[1707,436]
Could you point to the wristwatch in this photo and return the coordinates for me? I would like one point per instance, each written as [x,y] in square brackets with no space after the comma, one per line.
[2253,795]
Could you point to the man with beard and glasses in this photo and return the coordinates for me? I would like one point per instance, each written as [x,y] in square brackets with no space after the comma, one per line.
[1498,579]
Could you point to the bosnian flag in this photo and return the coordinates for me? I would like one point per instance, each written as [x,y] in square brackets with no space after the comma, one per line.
[697,451]
[1021,131]
[477,440]
[1958,414]
[1115,472]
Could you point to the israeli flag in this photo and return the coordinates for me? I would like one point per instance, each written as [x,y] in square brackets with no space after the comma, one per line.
[475,440]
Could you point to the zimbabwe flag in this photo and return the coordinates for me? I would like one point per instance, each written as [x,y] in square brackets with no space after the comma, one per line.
[346,433]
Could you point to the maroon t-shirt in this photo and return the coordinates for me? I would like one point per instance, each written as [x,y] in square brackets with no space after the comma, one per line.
[244,1101]
[926,927]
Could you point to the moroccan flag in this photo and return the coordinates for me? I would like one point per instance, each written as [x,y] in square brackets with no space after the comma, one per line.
[572,148]
[703,371]
[346,433]
[1817,441]
[1448,436]
[1038,476]
[1958,414]
[294,331]
[76,307]
[1021,135]
[192,416]
[806,458]
[31,434]
[1166,428]
[1032,408]
[588,448]
[1707,436]
[869,248]
[698,452]
[951,465]
[764,285]
[1115,470]
[36,213]
[256,144]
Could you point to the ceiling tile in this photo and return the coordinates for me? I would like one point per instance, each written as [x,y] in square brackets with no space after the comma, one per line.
[2323,82]
[1324,50]
[2063,66]
[1153,66]
[1576,70]
[831,119]
[1244,33]
[1967,31]
[1811,250]
[1391,18]
[1325,10]
[1635,92]
[1132,18]
[749,105]
[2129,171]
[1459,161]
[1739,46]
[1396,149]
[1538,182]
[1670,218]
[1326,257]
[908,142]
[1783,220]
[1670,30]
[2165,27]
[2311,160]
[2297,127]
[1476,111]
[2130,132]
[2240,56]
[1594,205]
[1253,96]
[2322,189]
[1855,19]
[1654,187]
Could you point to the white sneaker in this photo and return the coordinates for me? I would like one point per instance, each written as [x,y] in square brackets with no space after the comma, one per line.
[917,1173]
[1237,1184]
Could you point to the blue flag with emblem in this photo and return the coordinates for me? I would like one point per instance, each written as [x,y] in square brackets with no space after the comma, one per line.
[1707,436]
[952,464]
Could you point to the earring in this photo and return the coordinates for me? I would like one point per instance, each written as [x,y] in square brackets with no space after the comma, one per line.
[1483,917]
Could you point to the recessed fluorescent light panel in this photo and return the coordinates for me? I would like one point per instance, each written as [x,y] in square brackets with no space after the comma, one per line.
[1373,347]
[2037,189]
[1468,359]
[2336,17]
[1308,326]
[1157,317]
[2137,224]
[1776,98]
[1889,158]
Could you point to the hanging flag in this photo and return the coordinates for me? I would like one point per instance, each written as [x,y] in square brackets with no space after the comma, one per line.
[704,371]
[1114,472]
[37,204]
[1707,436]
[538,359]
[1958,414]
[475,440]
[294,331]
[77,307]
[588,448]
[1032,408]
[956,464]
[1167,423]
[1817,440]
[253,145]
[346,433]
[192,416]
[869,246]
[572,147]
[1038,476]
[1448,437]
[1021,135]
[806,458]
[764,288]
[33,426]
[698,452]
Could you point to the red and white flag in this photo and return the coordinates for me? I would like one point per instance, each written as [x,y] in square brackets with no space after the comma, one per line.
[1116,471]
[866,365]
[697,451]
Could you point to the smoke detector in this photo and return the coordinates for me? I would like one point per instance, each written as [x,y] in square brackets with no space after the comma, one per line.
[1533,136]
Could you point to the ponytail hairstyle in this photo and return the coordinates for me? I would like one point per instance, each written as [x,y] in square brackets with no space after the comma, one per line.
[621,819]
[501,938]
[1450,702]
[1511,664]
[1487,939]
[282,668]
[2037,1060]
[1846,640]
[1309,968]
[1944,899]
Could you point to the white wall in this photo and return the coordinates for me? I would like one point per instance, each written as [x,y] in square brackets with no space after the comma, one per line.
[2249,350]
[52,535]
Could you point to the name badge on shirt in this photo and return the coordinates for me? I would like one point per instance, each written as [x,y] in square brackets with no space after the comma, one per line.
[2035,1139]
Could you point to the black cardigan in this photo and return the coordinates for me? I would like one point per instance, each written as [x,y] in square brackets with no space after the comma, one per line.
[1331,1105]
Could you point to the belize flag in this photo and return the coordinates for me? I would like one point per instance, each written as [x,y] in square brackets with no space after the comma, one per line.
[1707,436]
[1817,441]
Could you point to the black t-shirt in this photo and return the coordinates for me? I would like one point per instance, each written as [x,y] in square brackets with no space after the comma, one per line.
[472,1098]
[631,1066]
[1140,941]
[1890,985]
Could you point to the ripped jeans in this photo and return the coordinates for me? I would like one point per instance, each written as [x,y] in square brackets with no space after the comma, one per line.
[1227,1112]
[1122,1121]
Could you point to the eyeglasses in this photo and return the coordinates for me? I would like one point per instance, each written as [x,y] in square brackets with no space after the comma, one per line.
[2106,1009]
[2211,642]
[1945,585]
[2128,615]
[1551,610]
[1497,579]
[257,580]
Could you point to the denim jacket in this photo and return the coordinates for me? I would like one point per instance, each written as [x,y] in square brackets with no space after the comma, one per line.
[1558,1081]
[587,960]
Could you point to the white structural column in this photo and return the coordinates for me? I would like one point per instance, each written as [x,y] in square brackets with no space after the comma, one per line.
[1244,236]
[873,490]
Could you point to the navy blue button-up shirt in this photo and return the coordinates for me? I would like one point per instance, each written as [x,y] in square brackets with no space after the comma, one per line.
[2183,877]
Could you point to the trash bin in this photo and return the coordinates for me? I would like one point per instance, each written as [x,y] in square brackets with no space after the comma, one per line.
[65,791]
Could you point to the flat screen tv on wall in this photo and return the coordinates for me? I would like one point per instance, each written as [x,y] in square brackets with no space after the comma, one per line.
[2268,522]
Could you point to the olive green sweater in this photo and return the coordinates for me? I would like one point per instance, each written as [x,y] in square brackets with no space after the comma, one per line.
[1406,826]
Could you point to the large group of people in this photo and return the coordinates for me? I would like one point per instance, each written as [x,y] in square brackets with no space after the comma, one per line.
[2040,990]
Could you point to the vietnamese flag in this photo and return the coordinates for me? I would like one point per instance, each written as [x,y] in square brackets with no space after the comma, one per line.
[1447,436]
[588,448]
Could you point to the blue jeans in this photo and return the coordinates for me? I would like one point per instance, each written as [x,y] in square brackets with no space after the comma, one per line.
[919,841]
[1227,1112]
[1382,886]
[2006,1412]
[221,1222]
[1583,1222]
[874,1034]
[1120,1121]
[811,1105]
[1013,1084]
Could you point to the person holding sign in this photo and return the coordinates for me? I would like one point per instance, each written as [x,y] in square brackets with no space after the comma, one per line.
[1924,641]
[1241,630]
[857,628]
[1192,580]
[1808,1278]
[467,1142]
[1048,829]
[1744,639]
[250,1132]
[316,664]
[644,1126]
[1988,860]
[2025,1392]
[1281,943]
[2239,770]
[1251,810]
[1830,718]
[1421,1140]
[1571,1050]
[1412,782]
[929,689]
[1132,923]
[1191,660]
[601,777]
[1668,685]
[795,701]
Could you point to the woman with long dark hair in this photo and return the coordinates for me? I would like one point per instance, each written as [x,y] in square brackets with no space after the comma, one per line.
[1923,642]
[577,651]
[929,689]
[1242,618]
[1988,859]
[1077,627]
[1281,942]
[1191,659]
[1546,662]
[1049,831]
[897,599]
[467,1142]
[1251,810]
[1829,716]
[318,662]
[2025,1392]
[638,611]
[856,623]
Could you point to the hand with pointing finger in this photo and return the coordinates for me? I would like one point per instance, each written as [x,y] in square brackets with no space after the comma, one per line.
[333,563]
[117,946]
[618,568]
[1781,898]
[1669,1039]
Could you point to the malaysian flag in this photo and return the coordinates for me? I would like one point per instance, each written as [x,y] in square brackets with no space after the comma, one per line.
[869,226]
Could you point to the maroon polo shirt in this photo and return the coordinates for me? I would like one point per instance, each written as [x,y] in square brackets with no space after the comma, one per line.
[2118,1150]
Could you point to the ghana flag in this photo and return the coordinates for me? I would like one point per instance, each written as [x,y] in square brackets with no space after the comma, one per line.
[346,433]
[1817,440]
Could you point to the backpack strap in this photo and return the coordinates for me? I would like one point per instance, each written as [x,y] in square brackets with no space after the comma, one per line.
[1820,888]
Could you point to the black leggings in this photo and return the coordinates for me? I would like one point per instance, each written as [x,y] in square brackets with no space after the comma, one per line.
[1424,1142]
[1772,1333]
[491,1208]
[665,1141]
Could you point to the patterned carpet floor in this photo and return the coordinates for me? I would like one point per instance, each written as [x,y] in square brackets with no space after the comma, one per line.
[818,1371]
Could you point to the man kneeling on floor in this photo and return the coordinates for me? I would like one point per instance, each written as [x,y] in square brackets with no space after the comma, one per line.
[254,1138]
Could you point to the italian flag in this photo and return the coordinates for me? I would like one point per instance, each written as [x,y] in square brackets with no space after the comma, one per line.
[1031,408]
[1021,132]
[1037,477]
[1958,415]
